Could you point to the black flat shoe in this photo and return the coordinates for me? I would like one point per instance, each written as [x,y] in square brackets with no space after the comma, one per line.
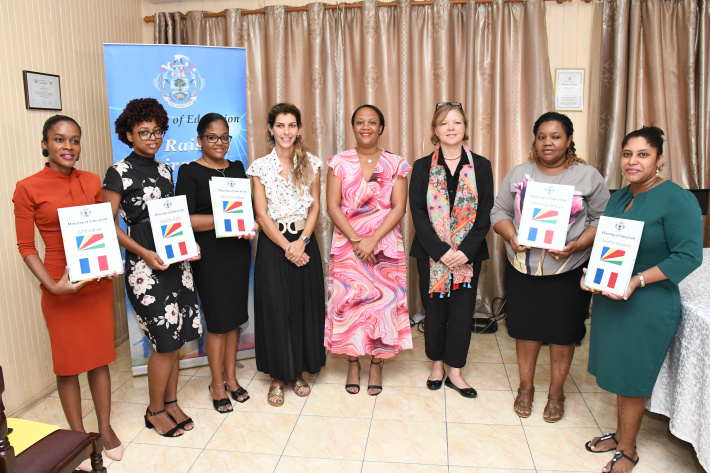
[466,392]
[434,384]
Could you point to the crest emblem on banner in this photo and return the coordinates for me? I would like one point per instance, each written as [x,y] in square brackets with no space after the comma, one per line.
[179,82]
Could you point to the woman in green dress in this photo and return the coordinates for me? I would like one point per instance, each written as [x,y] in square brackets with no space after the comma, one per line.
[630,336]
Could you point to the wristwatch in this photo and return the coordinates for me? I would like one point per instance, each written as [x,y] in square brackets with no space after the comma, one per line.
[305,239]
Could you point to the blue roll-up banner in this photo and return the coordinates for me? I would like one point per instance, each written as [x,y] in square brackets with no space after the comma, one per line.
[190,81]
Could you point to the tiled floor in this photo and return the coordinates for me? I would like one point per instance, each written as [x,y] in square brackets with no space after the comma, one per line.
[407,428]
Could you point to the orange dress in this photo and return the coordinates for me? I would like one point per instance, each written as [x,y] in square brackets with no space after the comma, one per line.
[80,325]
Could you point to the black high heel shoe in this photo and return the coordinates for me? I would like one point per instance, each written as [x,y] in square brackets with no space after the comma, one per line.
[149,424]
[465,392]
[355,387]
[373,387]
[220,403]
[183,423]
[239,392]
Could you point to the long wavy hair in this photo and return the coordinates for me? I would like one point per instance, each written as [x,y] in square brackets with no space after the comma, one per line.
[303,170]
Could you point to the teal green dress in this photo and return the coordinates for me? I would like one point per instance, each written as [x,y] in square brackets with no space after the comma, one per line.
[630,339]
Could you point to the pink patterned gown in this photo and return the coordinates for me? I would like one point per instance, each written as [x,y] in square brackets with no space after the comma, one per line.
[367,310]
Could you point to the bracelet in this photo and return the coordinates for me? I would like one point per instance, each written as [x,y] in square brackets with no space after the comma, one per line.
[643,281]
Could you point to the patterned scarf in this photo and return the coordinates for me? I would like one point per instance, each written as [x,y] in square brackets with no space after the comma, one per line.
[451,226]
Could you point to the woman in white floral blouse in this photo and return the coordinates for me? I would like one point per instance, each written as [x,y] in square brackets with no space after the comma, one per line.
[163,296]
[289,292]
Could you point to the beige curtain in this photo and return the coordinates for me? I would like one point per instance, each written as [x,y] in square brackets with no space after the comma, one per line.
[649,75]
[703,88]
[404,59]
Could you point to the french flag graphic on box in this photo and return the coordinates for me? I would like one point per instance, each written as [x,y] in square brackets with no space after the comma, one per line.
[173,230]
[609,277]
[86,243]
[543,216]
[233,207]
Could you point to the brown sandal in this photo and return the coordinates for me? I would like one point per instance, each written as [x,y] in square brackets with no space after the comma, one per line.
[299,383]
[276,392]
[554,414]
[521,406]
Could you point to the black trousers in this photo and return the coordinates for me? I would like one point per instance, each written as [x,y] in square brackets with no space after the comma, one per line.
[449,320]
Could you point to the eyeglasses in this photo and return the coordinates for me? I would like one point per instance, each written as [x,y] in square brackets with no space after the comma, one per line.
[453,104]
[146,135]
[213,138]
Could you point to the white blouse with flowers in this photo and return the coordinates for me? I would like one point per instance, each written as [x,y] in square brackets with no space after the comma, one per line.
[284,203]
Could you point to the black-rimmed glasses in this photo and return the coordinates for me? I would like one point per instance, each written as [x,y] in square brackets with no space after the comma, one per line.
[146,135]
[453,104]
[213,138]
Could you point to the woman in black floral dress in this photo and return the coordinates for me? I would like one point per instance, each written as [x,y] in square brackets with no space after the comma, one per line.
[163,296]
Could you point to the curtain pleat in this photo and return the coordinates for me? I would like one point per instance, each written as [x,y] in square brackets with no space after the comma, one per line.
[404,59]
[648,77]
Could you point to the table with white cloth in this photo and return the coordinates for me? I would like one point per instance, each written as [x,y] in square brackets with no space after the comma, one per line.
[682,391]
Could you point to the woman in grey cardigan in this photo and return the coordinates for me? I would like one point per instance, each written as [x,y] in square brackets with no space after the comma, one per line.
[545,302]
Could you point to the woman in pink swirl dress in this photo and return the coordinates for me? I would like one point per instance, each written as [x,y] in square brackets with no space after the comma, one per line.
[367,301]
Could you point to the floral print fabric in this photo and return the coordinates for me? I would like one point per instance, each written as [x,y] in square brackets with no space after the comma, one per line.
[451,225]
[284,201]
[165,302]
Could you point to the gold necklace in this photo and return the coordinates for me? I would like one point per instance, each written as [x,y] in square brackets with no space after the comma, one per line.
[221,171]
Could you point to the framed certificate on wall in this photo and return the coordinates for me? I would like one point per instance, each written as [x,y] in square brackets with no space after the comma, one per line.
[569,90]
[42,91]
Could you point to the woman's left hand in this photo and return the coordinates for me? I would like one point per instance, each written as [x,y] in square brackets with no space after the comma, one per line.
[458,259]
[295,250]
[633,284]
[248,236]
[569,249]
[199,254]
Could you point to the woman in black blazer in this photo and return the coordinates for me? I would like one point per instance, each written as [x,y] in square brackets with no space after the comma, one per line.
[451,196]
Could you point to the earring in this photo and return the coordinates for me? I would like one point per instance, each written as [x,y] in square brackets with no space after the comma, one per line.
[45,153]
[658,172]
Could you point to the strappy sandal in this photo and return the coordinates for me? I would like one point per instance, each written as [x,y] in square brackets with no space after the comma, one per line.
[277,392]
[238,393]
[183,423]
[611,436]
[220,405]
[149,424]
[554,414]
[299,383]
[521,406]
[372,387]
[618,456]
[354,387]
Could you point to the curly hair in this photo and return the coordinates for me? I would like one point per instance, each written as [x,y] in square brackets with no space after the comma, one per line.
[139,111]
[303,174]
[571,158]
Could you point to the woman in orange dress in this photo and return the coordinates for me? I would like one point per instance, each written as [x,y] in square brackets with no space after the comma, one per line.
[79,316]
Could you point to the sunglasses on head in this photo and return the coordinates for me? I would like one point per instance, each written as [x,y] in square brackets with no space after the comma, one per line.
[453,104]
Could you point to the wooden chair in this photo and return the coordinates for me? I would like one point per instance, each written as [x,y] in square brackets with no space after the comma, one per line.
[59,452]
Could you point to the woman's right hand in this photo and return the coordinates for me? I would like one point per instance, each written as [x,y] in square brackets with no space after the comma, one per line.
[366,257]
[65,286]
[513,240]
[153,261]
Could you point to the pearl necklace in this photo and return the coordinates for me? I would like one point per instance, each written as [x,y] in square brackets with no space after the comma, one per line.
[221,171]
[368,160]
